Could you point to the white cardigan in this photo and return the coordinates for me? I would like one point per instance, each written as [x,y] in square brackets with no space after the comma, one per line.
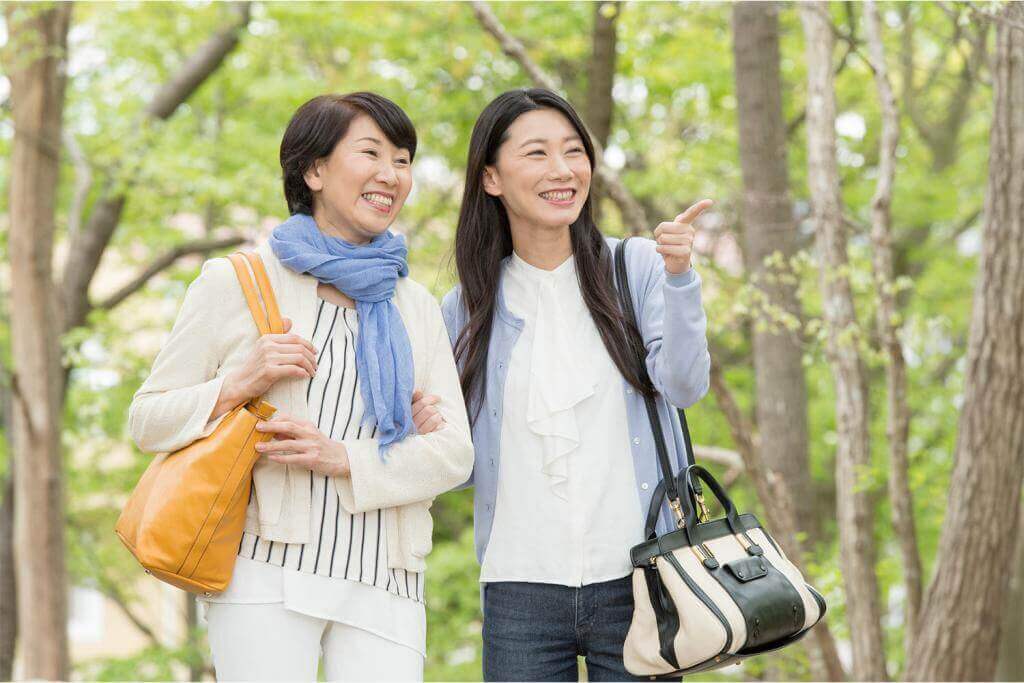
[214,333]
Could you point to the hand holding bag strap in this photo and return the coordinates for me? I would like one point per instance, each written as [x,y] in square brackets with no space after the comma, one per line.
[274,324]
[667,486]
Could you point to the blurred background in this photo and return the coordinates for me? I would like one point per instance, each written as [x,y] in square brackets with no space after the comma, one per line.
[856,406]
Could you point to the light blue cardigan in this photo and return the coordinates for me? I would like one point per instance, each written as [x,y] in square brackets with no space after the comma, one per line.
[674,329]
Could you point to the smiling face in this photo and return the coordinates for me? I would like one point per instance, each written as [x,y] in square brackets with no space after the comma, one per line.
[542,172]
[359,189]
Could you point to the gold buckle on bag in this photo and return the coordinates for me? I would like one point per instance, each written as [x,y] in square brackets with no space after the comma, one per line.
[677,509]
[703,514]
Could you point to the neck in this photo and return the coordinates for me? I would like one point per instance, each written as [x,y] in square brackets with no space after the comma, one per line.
[335,228]
[541,246]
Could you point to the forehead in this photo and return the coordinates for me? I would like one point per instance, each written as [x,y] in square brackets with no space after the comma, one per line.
[361,127]
[543,124]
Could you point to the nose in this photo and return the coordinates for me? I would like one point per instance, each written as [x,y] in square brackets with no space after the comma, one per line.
[559,169]
[386,174]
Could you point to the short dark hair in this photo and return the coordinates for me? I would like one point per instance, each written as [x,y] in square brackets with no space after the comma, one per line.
[318,125]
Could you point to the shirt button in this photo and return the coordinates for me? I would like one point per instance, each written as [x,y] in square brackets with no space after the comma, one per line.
[500,366]
[644,486]
[629,391]
[492,462]
[636,440]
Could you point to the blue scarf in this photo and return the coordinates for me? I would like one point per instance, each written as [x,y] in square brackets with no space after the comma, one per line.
[368,275]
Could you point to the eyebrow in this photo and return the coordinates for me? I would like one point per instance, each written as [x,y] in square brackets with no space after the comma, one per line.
[542,140]
[371,139]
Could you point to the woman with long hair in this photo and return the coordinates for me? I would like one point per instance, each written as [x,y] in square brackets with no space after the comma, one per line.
[565,461]
[332,559]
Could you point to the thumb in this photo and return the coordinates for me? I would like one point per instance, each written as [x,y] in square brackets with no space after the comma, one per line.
[286,324]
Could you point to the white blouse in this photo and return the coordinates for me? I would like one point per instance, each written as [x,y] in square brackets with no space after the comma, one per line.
[567,509]
[342,574]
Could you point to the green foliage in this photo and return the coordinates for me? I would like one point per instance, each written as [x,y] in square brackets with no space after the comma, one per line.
[212,168]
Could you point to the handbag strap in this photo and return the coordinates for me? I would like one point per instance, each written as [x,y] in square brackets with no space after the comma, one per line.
[266,291]
[269,321]
[667,486]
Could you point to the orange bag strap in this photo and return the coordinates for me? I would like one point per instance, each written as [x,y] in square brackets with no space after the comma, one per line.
[245,280]
[266,291]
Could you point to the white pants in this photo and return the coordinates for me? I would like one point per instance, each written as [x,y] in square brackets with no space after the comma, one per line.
[266,642]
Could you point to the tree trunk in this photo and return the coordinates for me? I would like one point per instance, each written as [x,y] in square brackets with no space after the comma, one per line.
[853,504]
[887,319]
[8,591]
[961,621]
[601,78]
[35,52]
[1011,654]
[770,229]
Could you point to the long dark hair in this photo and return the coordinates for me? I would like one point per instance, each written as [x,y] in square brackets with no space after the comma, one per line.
[483,238]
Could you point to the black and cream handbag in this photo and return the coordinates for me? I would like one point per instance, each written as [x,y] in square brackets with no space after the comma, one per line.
[711,592]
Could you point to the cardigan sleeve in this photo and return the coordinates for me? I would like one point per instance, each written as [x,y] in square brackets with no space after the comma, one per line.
[673,325]
[420,466]
[172,407]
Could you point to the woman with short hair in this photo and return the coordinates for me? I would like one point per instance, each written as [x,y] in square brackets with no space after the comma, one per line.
[338,524]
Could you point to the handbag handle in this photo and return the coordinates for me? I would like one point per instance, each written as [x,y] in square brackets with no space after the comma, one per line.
[689,479]
[667,487]
[268,321]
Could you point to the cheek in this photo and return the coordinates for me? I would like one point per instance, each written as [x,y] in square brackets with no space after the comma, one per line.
[583,172]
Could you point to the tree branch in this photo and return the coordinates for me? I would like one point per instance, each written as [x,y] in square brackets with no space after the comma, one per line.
[87,246]
[83,182]
[165,261]
[633,214]
[898,410]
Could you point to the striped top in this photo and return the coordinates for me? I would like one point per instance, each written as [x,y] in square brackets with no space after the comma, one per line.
[343,546]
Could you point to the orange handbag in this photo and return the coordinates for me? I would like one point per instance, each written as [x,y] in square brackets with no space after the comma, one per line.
[185,518]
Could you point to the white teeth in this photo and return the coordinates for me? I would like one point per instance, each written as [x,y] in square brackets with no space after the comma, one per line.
[558,196]
[381,199]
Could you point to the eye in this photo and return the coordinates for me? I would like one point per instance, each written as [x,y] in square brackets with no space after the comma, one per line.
[575,150]
[371,152]
[536,151]
[402,162]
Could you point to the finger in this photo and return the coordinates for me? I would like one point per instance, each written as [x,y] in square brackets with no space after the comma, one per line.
[417,395]
[296,359]
[432,424]
[676,238]
[691,213]
[281,446]
[423,404]
[288,339]
[276,372]
[665,226]
[286,323]
[298,459]
[673,251]
[277,426]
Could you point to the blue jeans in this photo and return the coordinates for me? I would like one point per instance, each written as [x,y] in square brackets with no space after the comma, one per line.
[535,631]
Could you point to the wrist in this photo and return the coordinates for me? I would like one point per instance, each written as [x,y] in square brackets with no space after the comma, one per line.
[342,466]
[232,392]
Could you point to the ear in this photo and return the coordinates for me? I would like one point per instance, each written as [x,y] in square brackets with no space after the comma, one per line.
[491,181]
[312,177]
